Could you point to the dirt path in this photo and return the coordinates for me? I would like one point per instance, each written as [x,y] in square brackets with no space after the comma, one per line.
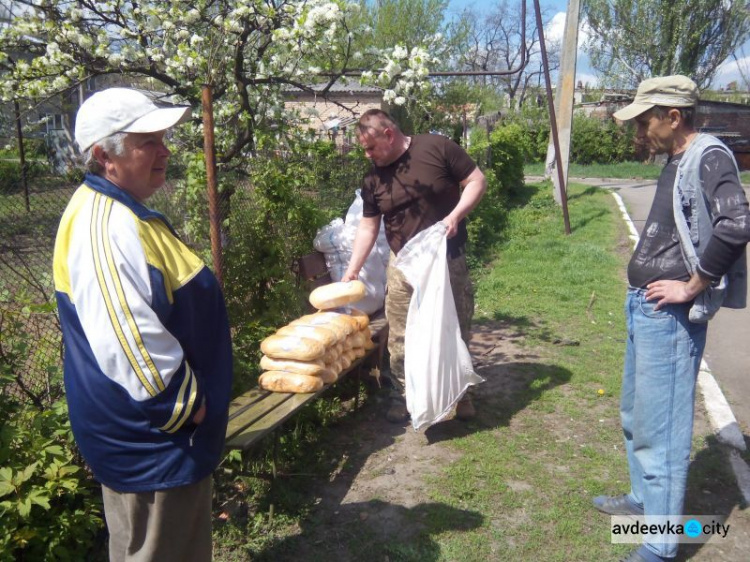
[381,482]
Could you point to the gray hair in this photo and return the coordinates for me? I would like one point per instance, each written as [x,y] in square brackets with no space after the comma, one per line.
[113,143]
[687,113]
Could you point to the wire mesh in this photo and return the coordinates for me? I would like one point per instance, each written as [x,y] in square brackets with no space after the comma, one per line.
[30,336]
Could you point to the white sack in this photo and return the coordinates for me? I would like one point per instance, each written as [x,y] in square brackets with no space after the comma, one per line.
[437,364]
[336,240]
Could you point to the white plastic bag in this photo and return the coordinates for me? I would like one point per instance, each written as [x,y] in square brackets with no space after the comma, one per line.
[336,240]
[437,364]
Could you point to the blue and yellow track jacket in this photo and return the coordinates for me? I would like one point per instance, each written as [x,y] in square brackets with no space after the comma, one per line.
[146,342]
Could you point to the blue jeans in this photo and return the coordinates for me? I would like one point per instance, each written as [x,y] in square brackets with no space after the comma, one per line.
[662,360]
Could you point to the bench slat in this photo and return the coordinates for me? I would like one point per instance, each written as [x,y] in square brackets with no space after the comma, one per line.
[288,406]
[250,414]
[245,401]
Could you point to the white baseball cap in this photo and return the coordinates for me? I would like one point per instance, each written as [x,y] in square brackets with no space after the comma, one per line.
[664,91]
[124,110]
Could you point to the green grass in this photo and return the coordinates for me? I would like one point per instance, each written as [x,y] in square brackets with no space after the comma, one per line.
[544,441]
[621,170]
[558,443]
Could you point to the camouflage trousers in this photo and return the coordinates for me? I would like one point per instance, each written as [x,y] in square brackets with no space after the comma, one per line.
[397,299]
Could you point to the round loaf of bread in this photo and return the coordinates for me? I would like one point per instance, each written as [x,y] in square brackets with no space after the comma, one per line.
[357,339]
[328,375]
[332,323]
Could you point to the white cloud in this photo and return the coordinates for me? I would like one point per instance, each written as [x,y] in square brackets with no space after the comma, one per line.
[730,71]
[556,27]
[554,32]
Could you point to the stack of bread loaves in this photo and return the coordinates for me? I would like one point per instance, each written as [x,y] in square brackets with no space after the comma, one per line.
[313,350]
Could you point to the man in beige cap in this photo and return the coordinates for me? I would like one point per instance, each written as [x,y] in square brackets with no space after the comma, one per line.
[148,356]
[689,262]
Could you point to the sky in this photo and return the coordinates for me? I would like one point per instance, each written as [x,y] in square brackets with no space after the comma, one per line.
[584,73]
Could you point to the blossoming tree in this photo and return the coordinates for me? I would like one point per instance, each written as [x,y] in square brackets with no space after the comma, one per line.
[247,50]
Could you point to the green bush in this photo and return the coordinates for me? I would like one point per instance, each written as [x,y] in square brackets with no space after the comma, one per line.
[10,174]
[47,504]
[501,158]
[594,141]
[507,148]
[47,507]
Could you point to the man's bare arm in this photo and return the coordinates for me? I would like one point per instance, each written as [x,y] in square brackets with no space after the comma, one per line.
[367,233]
[473,189]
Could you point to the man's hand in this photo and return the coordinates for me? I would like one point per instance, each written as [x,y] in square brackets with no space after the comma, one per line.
[349,276]
[452,226]
[675,292]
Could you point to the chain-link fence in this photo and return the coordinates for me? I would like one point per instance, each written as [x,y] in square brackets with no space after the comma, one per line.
[30,347]
[264,203]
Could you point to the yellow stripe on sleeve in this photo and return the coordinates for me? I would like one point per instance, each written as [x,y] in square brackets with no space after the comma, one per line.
[182,410]
[134,330]
[95,237]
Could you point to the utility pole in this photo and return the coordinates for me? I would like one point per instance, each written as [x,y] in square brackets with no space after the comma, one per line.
[564,101]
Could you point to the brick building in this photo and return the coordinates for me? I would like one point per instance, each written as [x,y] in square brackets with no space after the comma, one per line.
[333,114]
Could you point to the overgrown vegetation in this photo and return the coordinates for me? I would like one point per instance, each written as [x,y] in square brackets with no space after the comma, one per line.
[46,502]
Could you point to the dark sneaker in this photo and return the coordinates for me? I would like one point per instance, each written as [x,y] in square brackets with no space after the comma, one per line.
[397,413]
[617,505]
[465,409]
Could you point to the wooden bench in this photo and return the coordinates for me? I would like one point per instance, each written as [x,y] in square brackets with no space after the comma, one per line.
[257,413]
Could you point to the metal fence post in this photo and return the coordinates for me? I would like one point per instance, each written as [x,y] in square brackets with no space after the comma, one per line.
[209,151]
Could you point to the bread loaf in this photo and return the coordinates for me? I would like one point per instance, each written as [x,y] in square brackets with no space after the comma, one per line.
[337,294]
[362,319]
[349,324]
[344,361]
[357,339]
[359,352]
[292,347]
[330,355]
[318,333]
[282,381]
[328,375]
[341,329]
[311,368]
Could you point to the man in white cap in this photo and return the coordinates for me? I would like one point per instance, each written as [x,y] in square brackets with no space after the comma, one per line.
[689,262]
[148,357]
